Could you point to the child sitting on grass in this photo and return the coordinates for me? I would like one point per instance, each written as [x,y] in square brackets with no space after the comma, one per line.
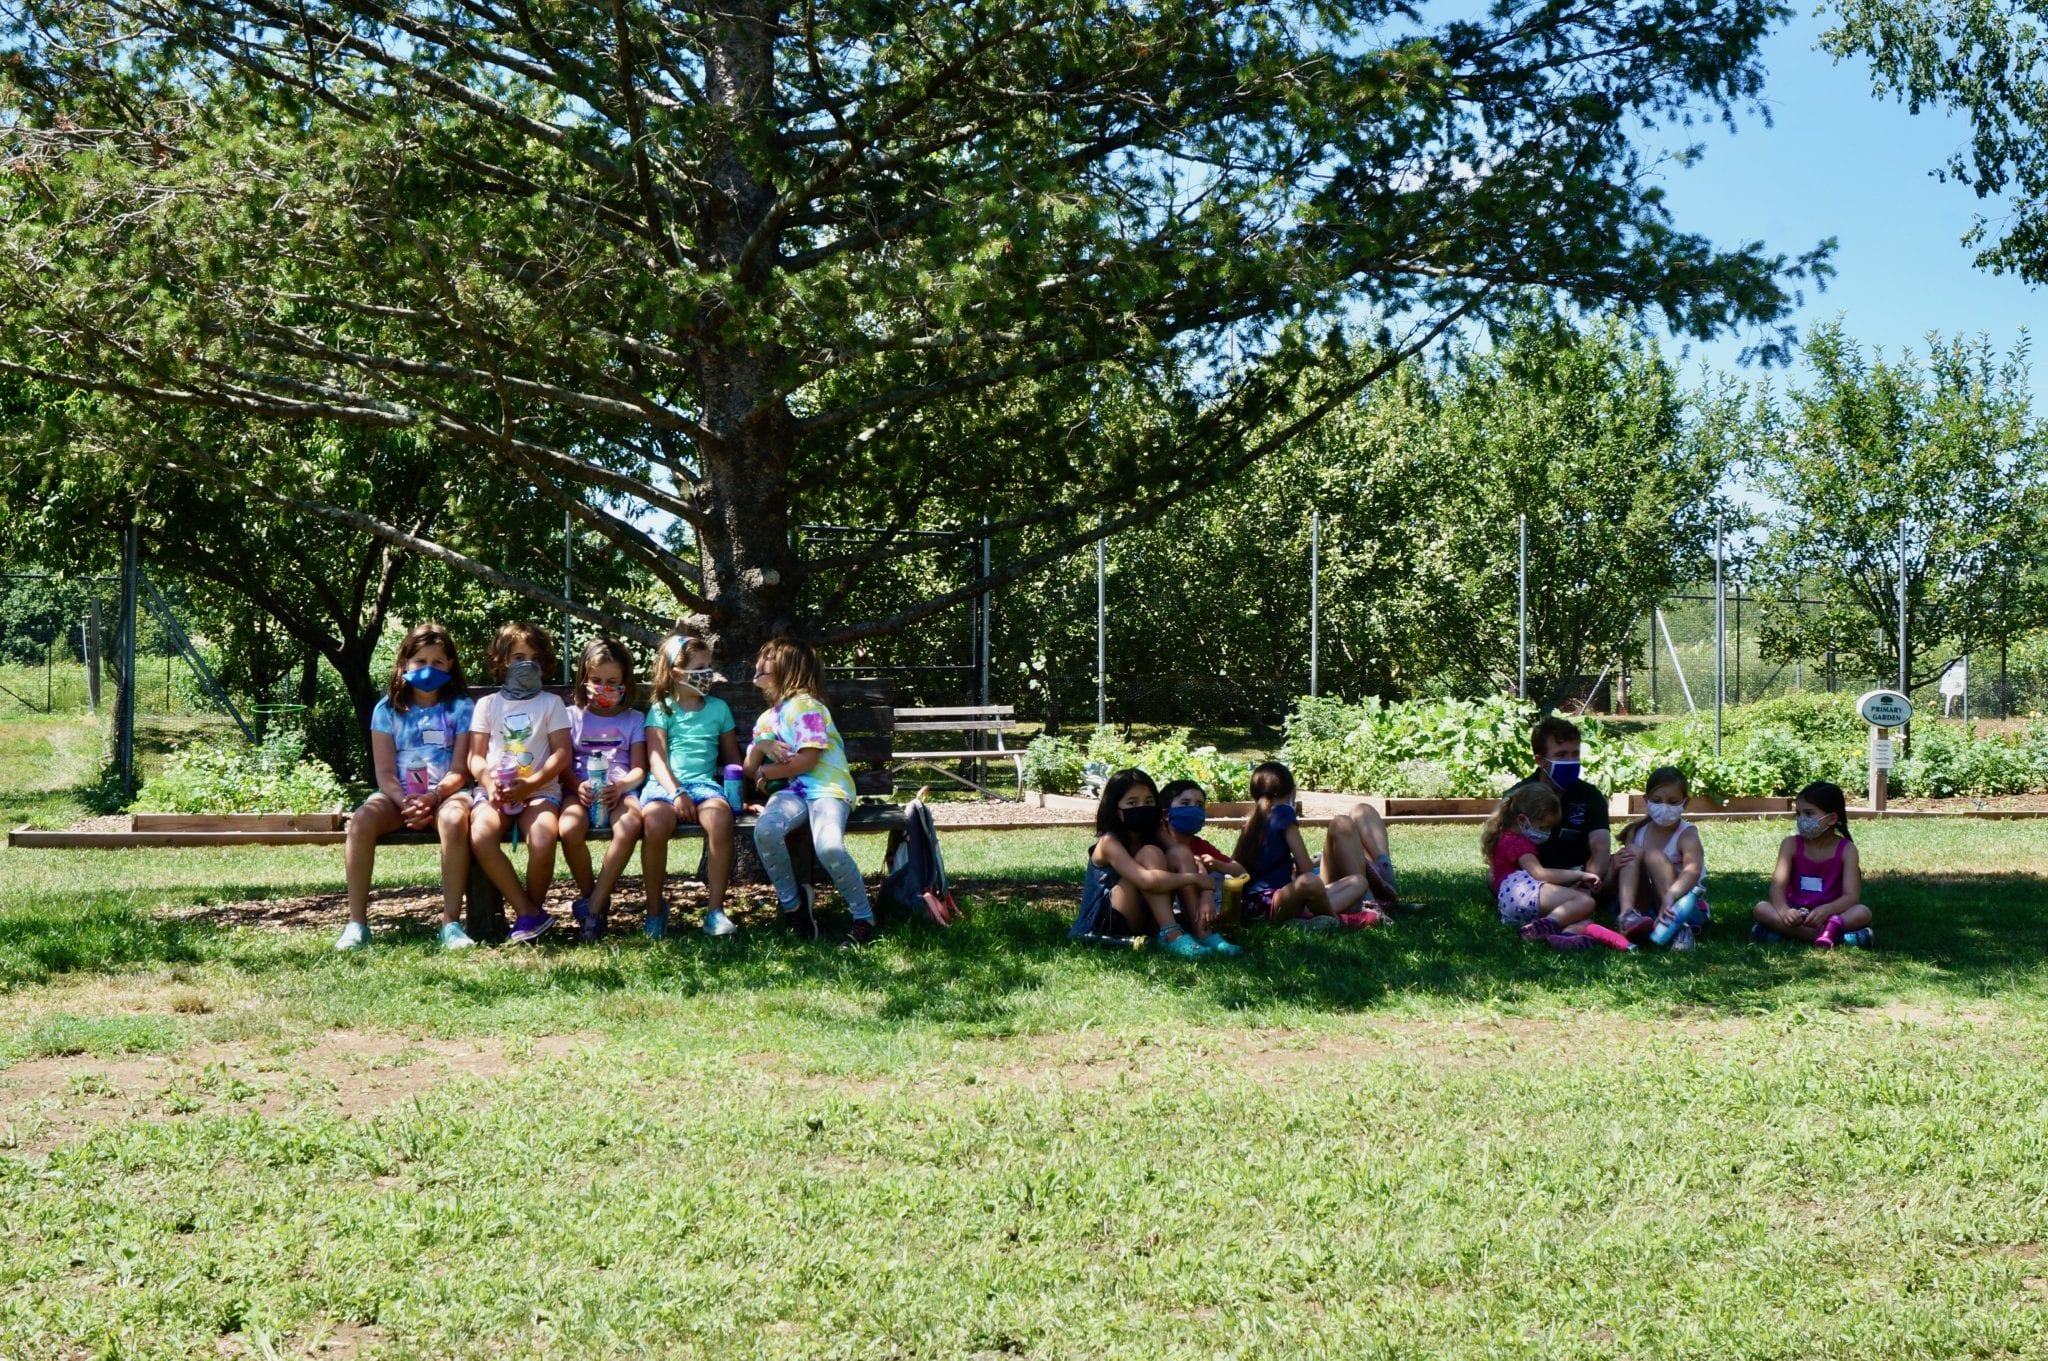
[1130,886]
[1817,887]
[1286,885]
[1543,904]
[1668,875]
[1187,812]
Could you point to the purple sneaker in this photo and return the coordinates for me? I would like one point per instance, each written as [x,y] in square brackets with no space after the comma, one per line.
[1569,940]
[590,926]
[530,928]
[1540,929]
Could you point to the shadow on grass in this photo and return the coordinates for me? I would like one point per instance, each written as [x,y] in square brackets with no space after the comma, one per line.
[1962,938]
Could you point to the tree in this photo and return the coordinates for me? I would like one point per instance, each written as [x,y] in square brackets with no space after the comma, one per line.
[707,266]
[1947,450]
[1983,61]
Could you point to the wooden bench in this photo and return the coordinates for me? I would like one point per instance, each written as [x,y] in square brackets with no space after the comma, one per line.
[967,720]
[866,723]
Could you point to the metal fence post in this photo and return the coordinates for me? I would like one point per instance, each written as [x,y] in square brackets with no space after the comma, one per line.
[1720,634]
[1315,565]
[124,719]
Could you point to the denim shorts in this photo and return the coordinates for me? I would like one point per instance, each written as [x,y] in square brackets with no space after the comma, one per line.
[700,791]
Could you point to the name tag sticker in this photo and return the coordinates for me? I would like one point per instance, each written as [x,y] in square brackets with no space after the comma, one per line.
[1810,884]
[438,737]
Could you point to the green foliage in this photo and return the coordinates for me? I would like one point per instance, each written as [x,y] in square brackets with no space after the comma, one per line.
[1418,748]
[233,777]
[1059,765]
[1950,759]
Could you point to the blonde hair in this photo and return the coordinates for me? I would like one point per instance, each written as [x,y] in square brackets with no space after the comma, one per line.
[666,679]
[795,667]
[1535,801]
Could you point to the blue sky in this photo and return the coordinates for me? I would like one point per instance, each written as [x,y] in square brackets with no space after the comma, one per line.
[1838,162]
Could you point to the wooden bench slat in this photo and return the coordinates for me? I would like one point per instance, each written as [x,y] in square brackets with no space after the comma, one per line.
[959,754]
[963,711]
[961,725]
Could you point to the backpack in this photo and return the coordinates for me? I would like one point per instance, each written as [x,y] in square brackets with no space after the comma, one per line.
[916,881]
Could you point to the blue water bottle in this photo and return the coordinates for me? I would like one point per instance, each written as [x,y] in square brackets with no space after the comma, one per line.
[733,792]
[598,772]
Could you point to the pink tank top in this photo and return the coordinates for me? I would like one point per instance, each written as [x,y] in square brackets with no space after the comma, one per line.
[1815,882]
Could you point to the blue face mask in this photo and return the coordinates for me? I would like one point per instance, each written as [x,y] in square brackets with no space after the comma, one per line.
[1564,774]
[1187,818]
[522,679]
[1537,835]
[427,679]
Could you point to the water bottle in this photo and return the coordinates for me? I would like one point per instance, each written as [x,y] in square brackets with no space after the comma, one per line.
[1230,898]
[1859,939]
[734,793]
[598,772]
[1132,943]
[508,771]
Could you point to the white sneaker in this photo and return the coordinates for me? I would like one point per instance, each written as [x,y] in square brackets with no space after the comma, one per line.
[716,923]
[1682,939]
[453,937]
[354,936]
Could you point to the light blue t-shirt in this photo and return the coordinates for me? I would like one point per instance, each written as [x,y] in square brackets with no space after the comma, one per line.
[425,737]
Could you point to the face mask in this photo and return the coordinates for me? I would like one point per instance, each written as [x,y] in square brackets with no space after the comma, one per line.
[427,679]
[522,679]
[1141,822]
[606,696]
[1537,835]
[1813,826]
[1666,814]
[1187,819]
[698,678]
[1564,774]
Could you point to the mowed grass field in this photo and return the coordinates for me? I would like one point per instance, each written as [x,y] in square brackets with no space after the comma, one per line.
[1426,1141]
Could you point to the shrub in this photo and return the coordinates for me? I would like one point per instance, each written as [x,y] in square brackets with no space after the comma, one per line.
[1053,765]
[1056,765]
[232,777]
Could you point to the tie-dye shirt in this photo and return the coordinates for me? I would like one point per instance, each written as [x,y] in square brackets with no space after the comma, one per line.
[803,723]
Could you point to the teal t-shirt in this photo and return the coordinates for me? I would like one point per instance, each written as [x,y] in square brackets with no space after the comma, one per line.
[692,735]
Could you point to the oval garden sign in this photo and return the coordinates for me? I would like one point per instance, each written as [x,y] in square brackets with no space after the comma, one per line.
[1885,709]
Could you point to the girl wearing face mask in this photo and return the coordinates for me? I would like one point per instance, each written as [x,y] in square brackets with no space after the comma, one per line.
[1668,873]
[1817,887]
[1187,812]
[1285,884]
[690,739]
[608,733]
[1550,905]
[518,756]
[1130,886]
[419,739]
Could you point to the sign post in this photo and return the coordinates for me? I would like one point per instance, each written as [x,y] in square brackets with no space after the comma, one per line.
[1883,710]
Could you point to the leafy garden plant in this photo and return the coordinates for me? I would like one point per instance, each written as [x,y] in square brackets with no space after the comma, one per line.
[234,777]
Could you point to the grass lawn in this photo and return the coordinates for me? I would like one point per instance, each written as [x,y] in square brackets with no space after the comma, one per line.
[1426,1141]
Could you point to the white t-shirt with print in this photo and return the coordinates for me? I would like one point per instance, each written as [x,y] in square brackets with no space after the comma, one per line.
[522,727]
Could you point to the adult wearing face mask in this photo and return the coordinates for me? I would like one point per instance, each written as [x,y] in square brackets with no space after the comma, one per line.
[1583,836]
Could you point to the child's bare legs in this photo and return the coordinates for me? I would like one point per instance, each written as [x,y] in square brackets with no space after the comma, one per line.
[1307,896]
[1198,905]
[451,821]
[1356,846]
[626,824]
[378,816]
[1136,908]
[1795,925]
[1566,906]
[715,817]
[1629,887]
[657,825]
[573,826]
[486,837]
[539,825]
[1662,874]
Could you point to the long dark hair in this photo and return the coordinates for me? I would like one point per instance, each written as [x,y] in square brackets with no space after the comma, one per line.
[428,634]
[1829,798]
[1271,783]
[1107,820]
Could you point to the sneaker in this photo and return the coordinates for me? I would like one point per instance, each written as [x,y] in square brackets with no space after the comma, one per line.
[1542,928]
[1570,940]
[1184,945]
[354,936]
[1683,939]
[656,926]
[1759,934]
[716,924]
[530,928]
[1359,920]
[801,918]
[1402,906]
[1216,945]
[1317,923]
[1859,939]
[863,931]
[453,937]
[1635,925]
[590,926]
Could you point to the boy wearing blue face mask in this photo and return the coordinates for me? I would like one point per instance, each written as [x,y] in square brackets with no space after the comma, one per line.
[1187,812]
[1581,840]
[419,741]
